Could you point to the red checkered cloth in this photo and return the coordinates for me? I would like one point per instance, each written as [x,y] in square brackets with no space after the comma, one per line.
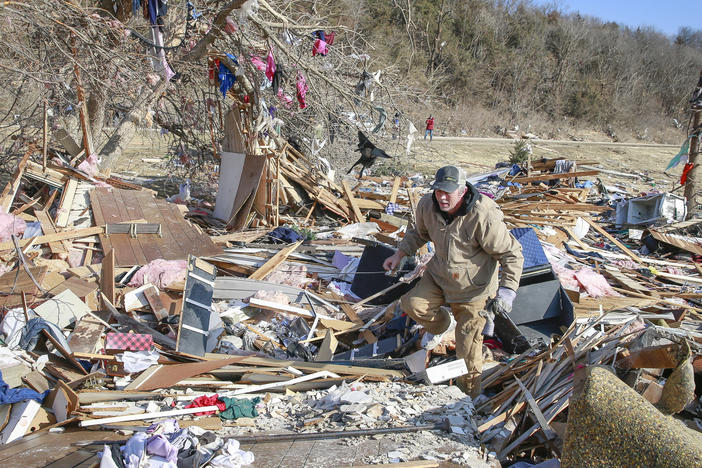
[128,342]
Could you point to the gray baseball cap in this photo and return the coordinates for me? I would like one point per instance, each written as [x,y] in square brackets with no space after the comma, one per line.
[449,179]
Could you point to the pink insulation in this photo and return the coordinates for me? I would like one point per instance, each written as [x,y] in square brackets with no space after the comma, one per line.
[11,225]
[290,275]
[89,165]
[566,276]
[594,283]
[161,273]
[271,296]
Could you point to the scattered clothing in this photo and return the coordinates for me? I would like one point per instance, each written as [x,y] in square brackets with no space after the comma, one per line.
[14,395]
[239,408]
[284,235]
[204,400]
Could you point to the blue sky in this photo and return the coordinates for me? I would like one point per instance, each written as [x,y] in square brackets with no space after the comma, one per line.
[664,15]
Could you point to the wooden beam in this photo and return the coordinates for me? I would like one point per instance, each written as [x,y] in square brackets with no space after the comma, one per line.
[47,227]
[395,189]
[10,190]
[560,175]
[107,276]
[59,236]
[64,209]
[352,203]
[274,261]
[614,241]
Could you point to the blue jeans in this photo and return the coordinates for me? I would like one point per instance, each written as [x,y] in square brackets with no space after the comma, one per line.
[430,133]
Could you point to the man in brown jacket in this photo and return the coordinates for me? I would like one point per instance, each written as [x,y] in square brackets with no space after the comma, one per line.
[470,238]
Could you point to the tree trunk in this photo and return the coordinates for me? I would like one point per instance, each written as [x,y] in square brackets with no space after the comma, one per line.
[435,50]
[97,101]
[125,131]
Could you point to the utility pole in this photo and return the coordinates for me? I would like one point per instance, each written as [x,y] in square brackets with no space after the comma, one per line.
[692,186]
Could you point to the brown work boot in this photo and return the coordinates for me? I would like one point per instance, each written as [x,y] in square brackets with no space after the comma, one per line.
[469,385]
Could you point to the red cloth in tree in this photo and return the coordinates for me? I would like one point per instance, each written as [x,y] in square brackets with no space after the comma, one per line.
[683,178]
[204,400]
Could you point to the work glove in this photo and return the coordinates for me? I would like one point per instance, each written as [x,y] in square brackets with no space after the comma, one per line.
[500,304]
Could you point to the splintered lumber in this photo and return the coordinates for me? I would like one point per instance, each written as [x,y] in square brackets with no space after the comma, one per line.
[274,261]
[64,209]
[395,189]
[340,369]
[47,227]
[560,175]
[352,202]
[10,190]
[59,236]
[614,241]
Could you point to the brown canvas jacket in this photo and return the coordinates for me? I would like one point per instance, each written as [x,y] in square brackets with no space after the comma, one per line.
[468,249]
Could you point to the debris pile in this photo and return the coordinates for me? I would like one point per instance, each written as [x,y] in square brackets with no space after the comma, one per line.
[175,339]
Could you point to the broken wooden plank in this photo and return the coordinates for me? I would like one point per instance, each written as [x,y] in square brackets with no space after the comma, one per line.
[274,261]
[560,175]
[10,190]
[609,237]
[47,227]
[64,208]
[352,203]
[107,276]
[59,236]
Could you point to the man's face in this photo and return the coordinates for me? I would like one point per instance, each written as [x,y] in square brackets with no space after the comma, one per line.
[450,201]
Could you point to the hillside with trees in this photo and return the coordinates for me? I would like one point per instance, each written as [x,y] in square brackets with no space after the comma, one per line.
[511,63]
[92,67]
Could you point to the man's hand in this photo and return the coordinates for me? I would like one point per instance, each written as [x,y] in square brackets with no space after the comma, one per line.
[393,261]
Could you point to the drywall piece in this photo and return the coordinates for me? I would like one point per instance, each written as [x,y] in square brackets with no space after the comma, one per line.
[63,309]
[444,372]
[194,325]
[136,299]
[417,361]
[229,176]
[21,418]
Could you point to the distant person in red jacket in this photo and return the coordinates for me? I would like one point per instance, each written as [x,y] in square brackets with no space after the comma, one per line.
[430,128]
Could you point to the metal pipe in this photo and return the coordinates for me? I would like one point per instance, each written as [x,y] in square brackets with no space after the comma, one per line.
[444,426]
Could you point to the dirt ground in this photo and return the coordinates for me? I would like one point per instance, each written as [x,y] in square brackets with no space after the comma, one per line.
[475,155]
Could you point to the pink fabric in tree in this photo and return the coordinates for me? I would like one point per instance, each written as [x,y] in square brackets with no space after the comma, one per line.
[301,90]
[319,47]
[258,63]
[161,273]
[11,225]
[270,66]
[229,26]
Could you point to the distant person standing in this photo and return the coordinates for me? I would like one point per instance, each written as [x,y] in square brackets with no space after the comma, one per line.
[430,128]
